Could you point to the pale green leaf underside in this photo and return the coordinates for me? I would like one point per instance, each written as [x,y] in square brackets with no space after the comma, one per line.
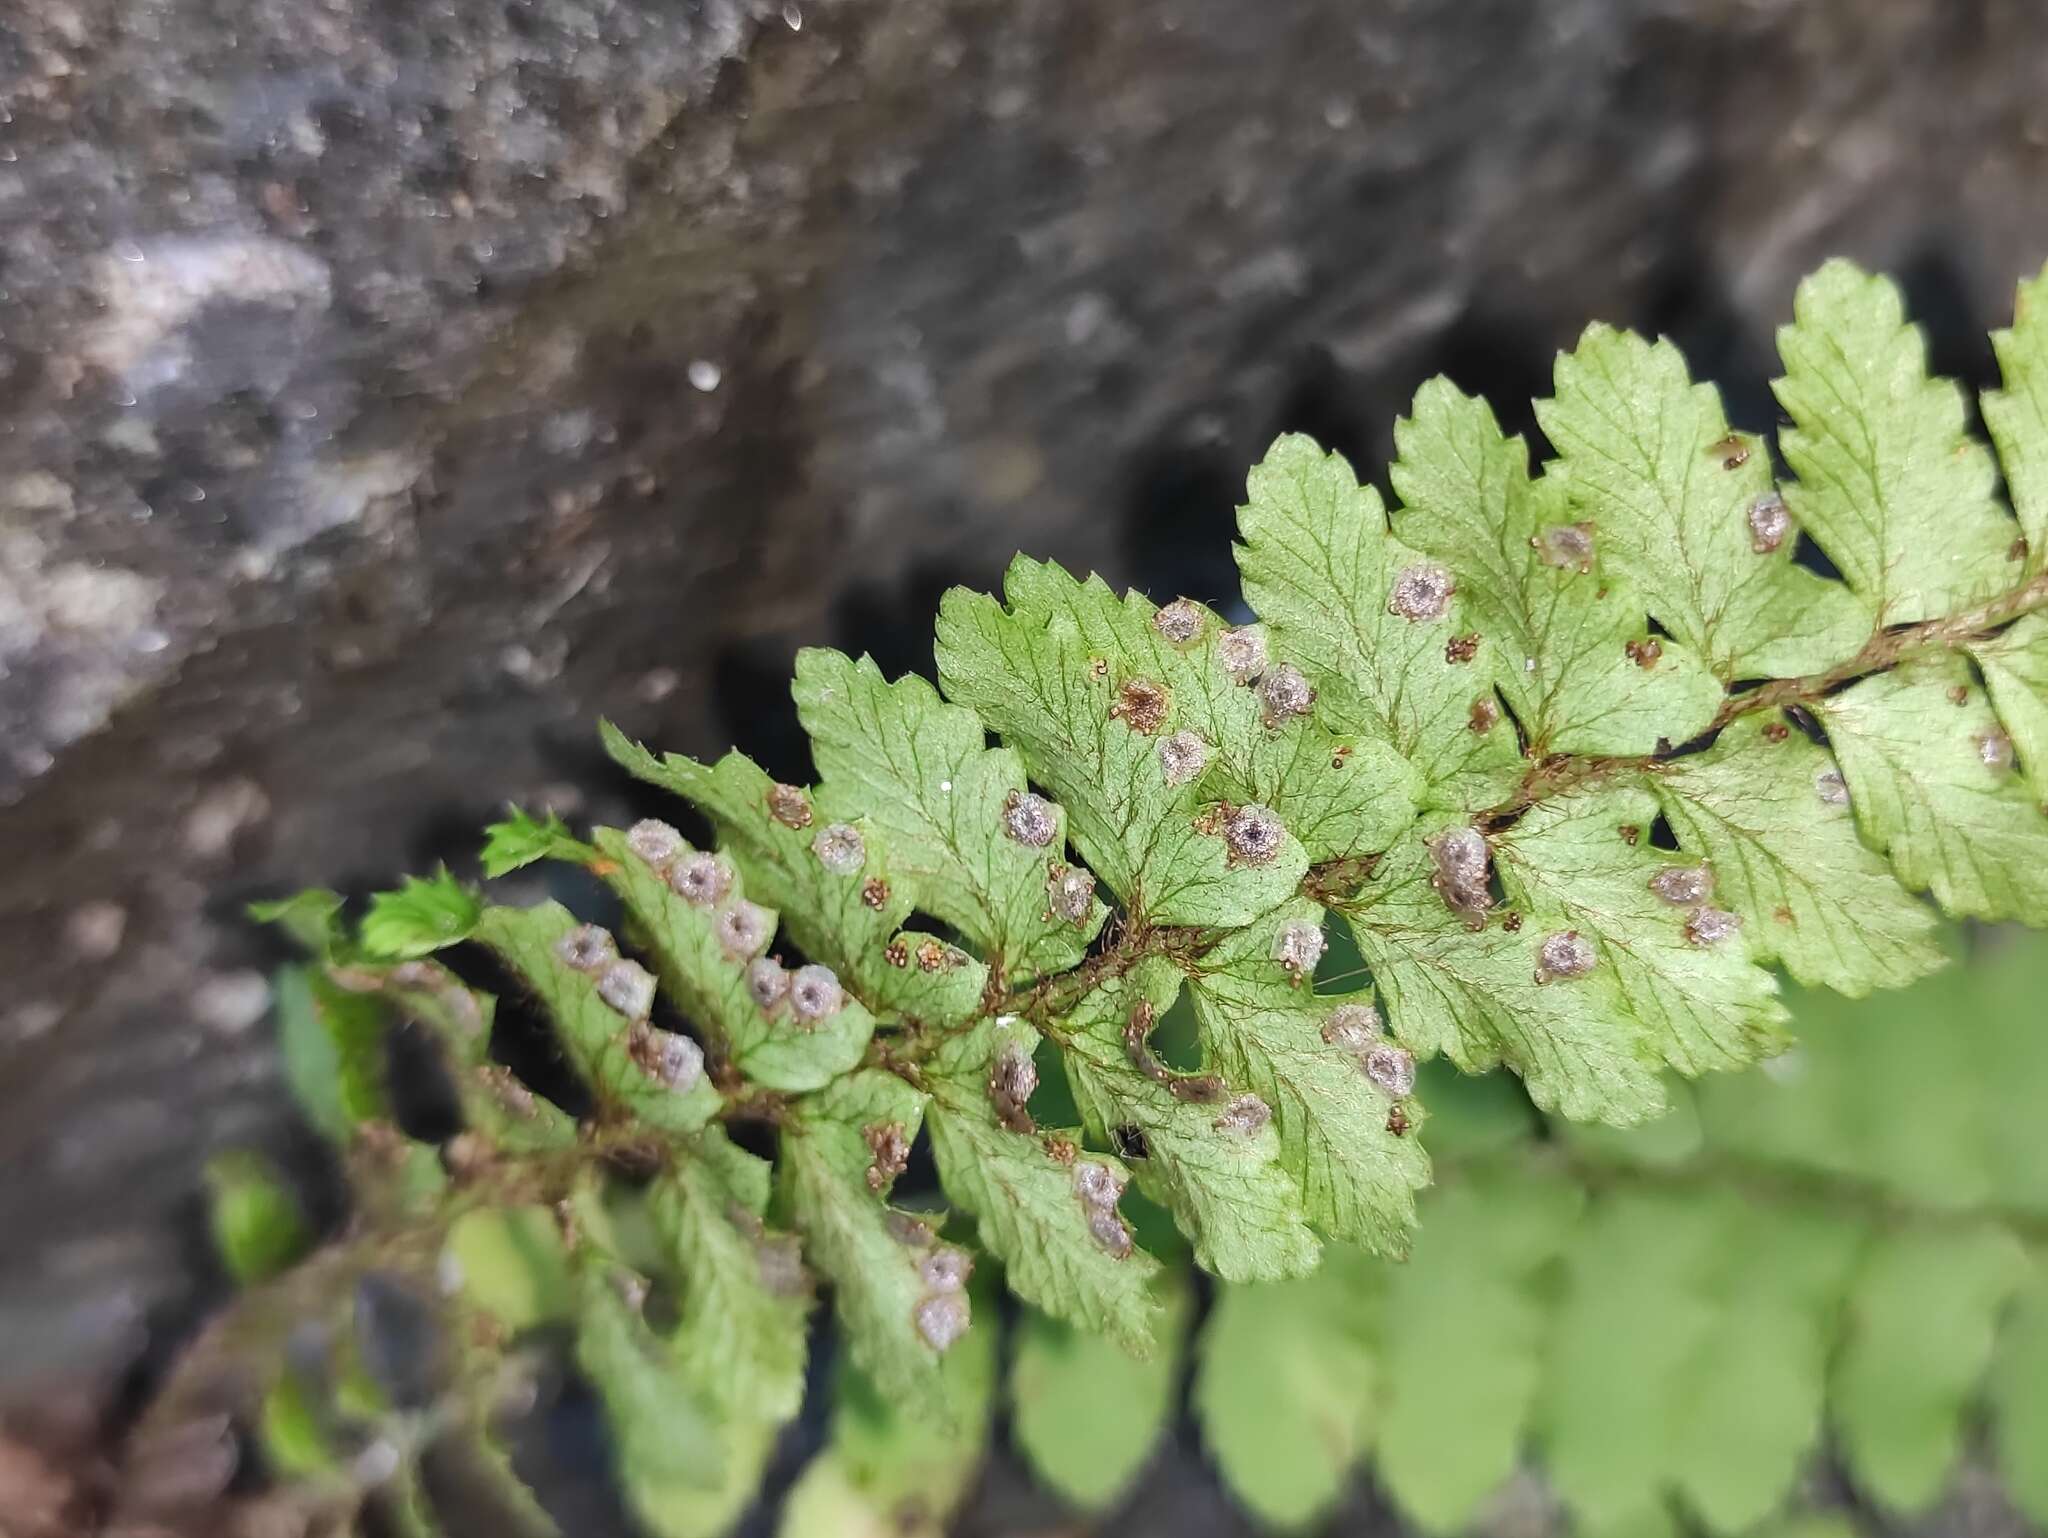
[1889,482]
[1027,1209]
[1476,997]
[1787,858]
[774,1048]
[1586,856]
[1319,566]
[851,1237]
[1461,1334]
[742,1329]
[1926,792]
[598,1038]
[1262,1028]
[1565,632]
[2017,415]
[885,1474]
[1227,1189]
[922,772]
[1922,1318]
[2015,667]
[1646,457]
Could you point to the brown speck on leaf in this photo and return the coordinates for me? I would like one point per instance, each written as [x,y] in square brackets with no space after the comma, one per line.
[1783,915]
[1630,832]
[1511,922]
[931,956]
[875,893]
[1462,648]
[1731,451]
[1099,666]
[1959,695]
[890,1148]
[788,805]
[1397,1121]
[1663,745]
[1644,653]
[2017,550]
[1777,731]
[1341,757]
[1484,716]
[1195,1089]
[1142,704]
[897,954]
[1060,1150]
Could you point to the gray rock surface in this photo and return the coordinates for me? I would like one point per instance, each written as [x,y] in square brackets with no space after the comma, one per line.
[389,389]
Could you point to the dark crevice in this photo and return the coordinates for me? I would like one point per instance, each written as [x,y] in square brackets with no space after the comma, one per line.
[750,691]
[523,1036]
[1182,515]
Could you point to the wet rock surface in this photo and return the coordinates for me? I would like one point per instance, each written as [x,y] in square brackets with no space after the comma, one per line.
[389,390]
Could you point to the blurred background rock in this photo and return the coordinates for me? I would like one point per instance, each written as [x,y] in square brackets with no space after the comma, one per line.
[389,389]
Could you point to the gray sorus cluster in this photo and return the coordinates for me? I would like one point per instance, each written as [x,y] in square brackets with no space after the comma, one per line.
[1099,1188]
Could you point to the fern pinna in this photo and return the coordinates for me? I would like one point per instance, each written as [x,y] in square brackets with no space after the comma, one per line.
[1572,759]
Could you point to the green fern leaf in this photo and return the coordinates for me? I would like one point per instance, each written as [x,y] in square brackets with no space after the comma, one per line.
[2015,667]
[1484,997]
[258,1228]
[1063,1252]
[898,1292]
[663,1429]
[599,1002]
[332,1043]
[1691,1356]
[1214,1163]
[1698,1002]
[1079,684]
[1687,514]
[959,820]
[1285,1387]
[2018,415]
[1320,568]
[1890,484]
[424,915]
[1766,810]
[1086,1415]
[1461,1331]
[885,1474]
[806,1033]
[1933,786]
[521,839]
[1575,659]
[744,1294]
[2019,1394]
[1922,1318]
[1342,1136]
